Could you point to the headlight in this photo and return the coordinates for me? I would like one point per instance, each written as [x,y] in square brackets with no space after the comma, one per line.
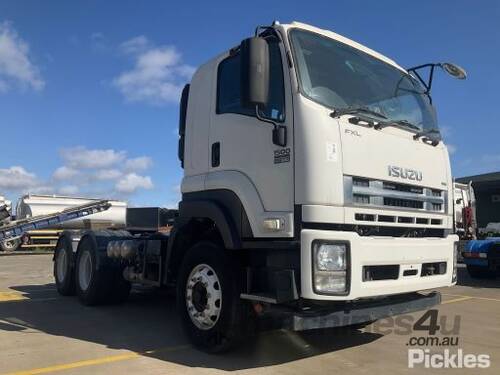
[330,267]
[330,257]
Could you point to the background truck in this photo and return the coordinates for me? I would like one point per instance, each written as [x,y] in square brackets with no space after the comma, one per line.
[12,229]
[32,205]
[316,193]
[479,248]
[5,217]
[465,211]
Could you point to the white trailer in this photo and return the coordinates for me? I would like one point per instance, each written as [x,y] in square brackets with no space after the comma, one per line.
[32,205]
[317,192]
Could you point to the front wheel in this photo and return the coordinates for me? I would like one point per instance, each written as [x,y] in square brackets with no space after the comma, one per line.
[208,298]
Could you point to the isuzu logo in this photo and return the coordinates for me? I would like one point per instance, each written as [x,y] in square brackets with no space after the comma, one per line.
[404,173]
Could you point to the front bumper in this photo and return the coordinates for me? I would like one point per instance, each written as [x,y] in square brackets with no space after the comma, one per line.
[407,253]
[357,312]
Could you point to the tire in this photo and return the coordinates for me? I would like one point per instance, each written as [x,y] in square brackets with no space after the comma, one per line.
[10,245]
[64,272]
[219,327]
[480,272]
[97,286]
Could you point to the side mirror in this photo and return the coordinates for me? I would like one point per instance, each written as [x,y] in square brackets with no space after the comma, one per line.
[279,135]
[454,70]
[254,72]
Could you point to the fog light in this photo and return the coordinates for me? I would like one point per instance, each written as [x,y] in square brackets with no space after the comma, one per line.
[330,267]
[328,282]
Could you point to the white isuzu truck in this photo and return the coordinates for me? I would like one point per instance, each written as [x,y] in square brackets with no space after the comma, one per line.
[316,193]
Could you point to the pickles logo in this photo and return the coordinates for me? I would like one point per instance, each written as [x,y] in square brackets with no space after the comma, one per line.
[404,173]
[447,359]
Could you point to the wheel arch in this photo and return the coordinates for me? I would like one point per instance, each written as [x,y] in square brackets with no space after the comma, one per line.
[199,220]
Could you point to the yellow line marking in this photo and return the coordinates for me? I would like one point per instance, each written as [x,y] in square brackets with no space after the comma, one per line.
[11,296]
[456,300]
[481,298]
[96,361]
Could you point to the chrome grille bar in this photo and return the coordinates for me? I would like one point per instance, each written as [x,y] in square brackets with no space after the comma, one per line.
[375,193]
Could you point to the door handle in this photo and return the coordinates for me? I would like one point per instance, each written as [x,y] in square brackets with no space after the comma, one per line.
[215,154]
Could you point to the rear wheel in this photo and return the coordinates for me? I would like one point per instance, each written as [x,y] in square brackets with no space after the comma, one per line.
[63,270]
[208,298]
[97,285]
[10,245]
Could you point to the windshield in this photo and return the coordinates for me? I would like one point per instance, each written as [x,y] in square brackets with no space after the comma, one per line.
[339,77]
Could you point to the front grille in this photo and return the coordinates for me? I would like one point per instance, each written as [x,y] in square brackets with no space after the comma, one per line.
[437,206]
[362,191]
[397,202]
[357,181]
[402,187]
[363,199]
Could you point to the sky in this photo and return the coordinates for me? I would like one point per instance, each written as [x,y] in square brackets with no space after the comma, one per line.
[89,89]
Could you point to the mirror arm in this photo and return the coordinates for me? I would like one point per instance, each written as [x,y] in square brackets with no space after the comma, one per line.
[428,84]
[264,119]
[276,126]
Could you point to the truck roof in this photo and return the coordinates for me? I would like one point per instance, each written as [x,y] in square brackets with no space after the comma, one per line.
[327,33]
[342,39]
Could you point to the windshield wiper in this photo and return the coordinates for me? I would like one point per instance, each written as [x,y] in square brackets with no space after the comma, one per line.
[424,133]
[399,123]
[355,110]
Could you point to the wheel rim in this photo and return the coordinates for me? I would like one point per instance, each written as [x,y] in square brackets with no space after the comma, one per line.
[61,265]
[203,296]
[85,270]
[9,245]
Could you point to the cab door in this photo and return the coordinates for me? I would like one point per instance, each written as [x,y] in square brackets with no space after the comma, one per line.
[242,147]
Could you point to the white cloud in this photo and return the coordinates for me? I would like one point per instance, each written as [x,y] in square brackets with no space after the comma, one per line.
[135,45]
[65,173]
[132,182]
[69,190]
[451,149]
[17,178]
[81,157]
[139,164]
[158,75]
[108,174]
[103,172]
[15,64]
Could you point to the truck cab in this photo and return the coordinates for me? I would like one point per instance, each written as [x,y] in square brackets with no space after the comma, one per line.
[367,202]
